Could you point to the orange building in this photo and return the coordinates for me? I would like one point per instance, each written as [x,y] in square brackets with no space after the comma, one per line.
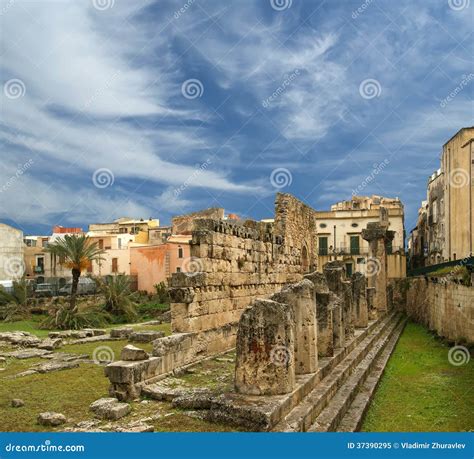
[152,264]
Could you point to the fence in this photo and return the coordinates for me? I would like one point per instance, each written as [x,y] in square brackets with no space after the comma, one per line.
[468,262]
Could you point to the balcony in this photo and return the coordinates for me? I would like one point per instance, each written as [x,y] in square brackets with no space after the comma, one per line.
[38,269]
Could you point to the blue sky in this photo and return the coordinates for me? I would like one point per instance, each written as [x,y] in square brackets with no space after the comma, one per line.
[115,108]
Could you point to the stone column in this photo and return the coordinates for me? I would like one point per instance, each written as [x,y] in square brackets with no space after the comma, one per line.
[378,236]
[348,306]
[359,294]
[325,324]
[301,298]
[265,363]
[335,274]
[371,303]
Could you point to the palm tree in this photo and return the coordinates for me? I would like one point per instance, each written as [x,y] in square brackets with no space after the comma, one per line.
[76,251]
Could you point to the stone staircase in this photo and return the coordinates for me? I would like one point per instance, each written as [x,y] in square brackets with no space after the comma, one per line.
[339,400]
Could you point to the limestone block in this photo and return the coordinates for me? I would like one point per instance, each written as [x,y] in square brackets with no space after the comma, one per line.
[51,419]
[265,363]
[132,353]
[300,297]
[122,333]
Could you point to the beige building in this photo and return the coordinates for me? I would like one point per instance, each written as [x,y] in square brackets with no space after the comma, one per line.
[339,233]
[12,264]
[444,230]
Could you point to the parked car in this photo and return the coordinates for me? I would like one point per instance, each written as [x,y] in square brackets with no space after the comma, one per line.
[86,286]
[42,290]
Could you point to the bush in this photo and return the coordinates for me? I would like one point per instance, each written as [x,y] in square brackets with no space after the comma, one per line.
[15,303]
[67,319]
[119,299]
[162,295]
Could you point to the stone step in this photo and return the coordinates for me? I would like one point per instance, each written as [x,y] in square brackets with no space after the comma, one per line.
[331,416]
[264,413]
[352,420]
[302,416]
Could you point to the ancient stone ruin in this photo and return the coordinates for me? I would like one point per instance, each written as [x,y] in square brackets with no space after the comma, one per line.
[302,333]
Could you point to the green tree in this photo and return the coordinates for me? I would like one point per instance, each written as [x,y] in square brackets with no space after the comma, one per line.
[75,252]
[118,296]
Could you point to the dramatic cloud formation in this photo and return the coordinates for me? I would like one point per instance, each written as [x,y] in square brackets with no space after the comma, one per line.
[151,108]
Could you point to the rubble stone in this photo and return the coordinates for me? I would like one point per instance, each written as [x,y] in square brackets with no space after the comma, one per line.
[51,419]
[132,353]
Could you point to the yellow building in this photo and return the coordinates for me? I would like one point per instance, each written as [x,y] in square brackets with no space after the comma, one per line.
[339,233]
[457,164]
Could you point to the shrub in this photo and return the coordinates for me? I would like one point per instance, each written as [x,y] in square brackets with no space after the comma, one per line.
[67,319]
[162,295]
[119,299]
[15,303]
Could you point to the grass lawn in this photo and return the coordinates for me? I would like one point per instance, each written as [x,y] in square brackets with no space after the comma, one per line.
[420,390]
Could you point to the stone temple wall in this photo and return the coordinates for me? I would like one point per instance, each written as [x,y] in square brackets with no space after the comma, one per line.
[234,262]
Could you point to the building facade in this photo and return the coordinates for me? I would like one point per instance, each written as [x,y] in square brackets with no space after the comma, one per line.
[444,230]
[339,233]
[12,265]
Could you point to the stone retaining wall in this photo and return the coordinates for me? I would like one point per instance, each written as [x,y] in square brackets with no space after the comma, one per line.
[443,306]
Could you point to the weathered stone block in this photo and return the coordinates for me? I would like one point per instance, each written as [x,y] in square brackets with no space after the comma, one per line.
[132,353]
[265,363]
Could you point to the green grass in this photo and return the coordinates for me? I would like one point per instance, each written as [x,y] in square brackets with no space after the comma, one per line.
[420,390]
[31,326]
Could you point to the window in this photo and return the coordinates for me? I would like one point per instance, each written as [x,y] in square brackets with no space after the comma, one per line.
[178,270]
[101,243]
[361,261]
[180,252]
[355,248]
[389,247]
[354,225]
[435,211]
[323,245]
[114,265]
[323,225]
[348,269]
